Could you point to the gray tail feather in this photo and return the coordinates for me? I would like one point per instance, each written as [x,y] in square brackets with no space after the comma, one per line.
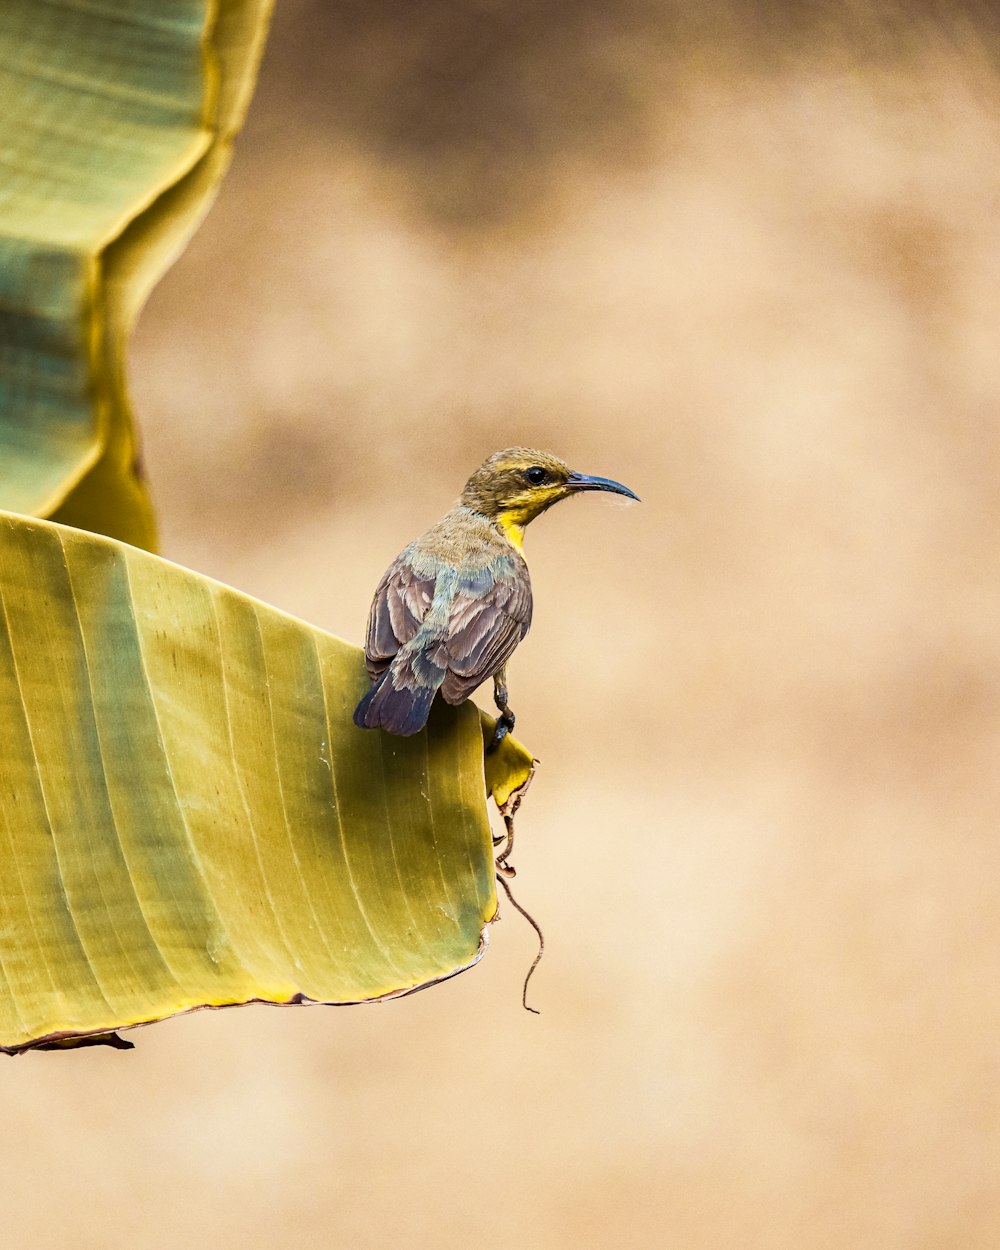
[399,710]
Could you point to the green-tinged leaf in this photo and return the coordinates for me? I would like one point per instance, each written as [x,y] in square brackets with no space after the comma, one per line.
[116,124]
[188,815]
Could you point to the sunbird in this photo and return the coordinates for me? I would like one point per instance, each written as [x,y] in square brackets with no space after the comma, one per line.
[454,604]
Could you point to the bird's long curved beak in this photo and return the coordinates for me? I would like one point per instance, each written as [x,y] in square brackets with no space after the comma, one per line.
[583,481]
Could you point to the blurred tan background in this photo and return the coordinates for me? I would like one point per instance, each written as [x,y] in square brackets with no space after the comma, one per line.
[745,259]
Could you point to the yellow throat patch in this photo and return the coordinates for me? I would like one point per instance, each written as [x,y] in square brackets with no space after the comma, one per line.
[512,524]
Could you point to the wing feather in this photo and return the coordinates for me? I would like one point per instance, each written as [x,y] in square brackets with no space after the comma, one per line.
[487,614]
[402,600]
[485,626]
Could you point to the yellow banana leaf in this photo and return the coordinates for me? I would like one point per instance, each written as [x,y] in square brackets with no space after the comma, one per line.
[116,124]
[189,817]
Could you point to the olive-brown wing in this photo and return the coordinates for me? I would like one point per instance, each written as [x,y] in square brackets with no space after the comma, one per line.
[402,600]
[484,627]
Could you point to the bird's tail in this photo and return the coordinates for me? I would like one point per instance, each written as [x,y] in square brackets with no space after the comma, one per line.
[399,702]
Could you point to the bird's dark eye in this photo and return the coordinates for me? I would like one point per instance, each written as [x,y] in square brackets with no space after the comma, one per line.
[536,475]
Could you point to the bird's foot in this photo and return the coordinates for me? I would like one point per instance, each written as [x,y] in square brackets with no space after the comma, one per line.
[504,726]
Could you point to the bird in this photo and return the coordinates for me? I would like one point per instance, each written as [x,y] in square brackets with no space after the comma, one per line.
[454,604]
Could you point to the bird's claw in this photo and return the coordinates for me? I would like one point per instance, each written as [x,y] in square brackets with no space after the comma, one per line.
[504,725]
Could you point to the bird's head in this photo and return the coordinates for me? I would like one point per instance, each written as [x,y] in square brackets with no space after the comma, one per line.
[518,484]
